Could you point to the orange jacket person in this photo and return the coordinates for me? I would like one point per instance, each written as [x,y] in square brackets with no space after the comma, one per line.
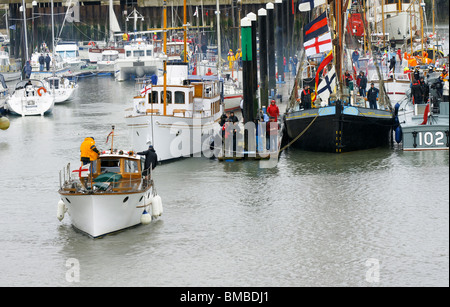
[89,151]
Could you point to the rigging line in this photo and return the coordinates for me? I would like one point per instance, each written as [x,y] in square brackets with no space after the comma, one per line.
[300,134]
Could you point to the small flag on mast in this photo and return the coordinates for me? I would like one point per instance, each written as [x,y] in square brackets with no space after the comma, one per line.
[308,5]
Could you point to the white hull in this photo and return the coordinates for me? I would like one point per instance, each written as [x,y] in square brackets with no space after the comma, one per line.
[105,66]
[98,215]
[172,136]
[11,76]
[124,69]
[19,104]
[62,95]
[232,102]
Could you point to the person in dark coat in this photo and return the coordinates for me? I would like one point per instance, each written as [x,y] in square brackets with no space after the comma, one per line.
[305,98]
[392,63]
[28,70]
[232,118]
[362,85]
[425,89]
[151,158]
[41,61]
[416,74]
[47,62]
[417,92]
[372,95]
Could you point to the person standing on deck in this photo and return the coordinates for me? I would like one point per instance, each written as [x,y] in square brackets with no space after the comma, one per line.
[305,98]
[417,92]
[372,96]
[89,151]
[41,62]
[355,57]
[47,62]
[362,85]
[151,158]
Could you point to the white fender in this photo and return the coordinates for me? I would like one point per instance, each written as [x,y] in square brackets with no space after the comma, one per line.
[146,218]
[61,210]
[156,206]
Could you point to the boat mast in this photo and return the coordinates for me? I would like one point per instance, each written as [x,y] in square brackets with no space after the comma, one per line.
[185,31]
[219,52]
[382,23]
[165,54]
[435,35]
[24,11]
[421,26]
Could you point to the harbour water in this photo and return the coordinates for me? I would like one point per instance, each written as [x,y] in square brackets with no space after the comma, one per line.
[373,218]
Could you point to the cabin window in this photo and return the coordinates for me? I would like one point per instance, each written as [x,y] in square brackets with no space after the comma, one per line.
[149,53]
[110,166]
[138,53]
[131,166]
[128,53]
[153,97]
[169,97]
[179,97]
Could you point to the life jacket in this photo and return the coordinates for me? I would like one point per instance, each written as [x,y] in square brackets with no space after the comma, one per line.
[86,149]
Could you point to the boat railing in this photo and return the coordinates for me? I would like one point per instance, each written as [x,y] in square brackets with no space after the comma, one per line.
[70,181]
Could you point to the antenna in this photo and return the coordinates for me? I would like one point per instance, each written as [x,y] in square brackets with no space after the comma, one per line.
[112,138]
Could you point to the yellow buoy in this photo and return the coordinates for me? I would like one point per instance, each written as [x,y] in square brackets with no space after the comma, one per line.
[4,123]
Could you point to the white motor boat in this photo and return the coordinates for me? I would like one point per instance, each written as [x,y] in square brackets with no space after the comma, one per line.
[9,71]
[69,52]
[109,194]
[184,124]
[108,58]
[30,97]
[139,61]
[60,88]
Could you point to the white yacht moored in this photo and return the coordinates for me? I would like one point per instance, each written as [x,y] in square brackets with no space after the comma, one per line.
[60,88]
[30,97]
[183,125]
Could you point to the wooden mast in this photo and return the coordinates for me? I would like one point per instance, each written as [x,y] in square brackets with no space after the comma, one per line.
[165,54]
[185,31]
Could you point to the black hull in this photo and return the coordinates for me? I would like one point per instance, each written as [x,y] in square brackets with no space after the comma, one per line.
[336,131]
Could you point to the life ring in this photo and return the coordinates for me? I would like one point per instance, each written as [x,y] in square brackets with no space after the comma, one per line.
[39,90]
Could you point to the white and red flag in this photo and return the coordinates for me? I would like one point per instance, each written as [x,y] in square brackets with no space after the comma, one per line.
[318,45]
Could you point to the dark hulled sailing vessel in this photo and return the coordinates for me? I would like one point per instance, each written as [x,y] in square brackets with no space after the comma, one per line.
[340,122]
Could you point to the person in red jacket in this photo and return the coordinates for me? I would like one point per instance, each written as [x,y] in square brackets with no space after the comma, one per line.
[273,110]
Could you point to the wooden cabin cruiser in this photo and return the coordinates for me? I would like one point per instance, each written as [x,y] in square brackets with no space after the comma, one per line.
[30,97]
[182,125]
[109,194]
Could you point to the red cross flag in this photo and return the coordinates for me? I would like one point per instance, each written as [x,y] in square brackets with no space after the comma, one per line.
[318,44]
[83,171]
[147,89]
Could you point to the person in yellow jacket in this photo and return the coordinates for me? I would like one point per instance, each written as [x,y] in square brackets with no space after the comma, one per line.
[444,75]
[231,59]
[89,151]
